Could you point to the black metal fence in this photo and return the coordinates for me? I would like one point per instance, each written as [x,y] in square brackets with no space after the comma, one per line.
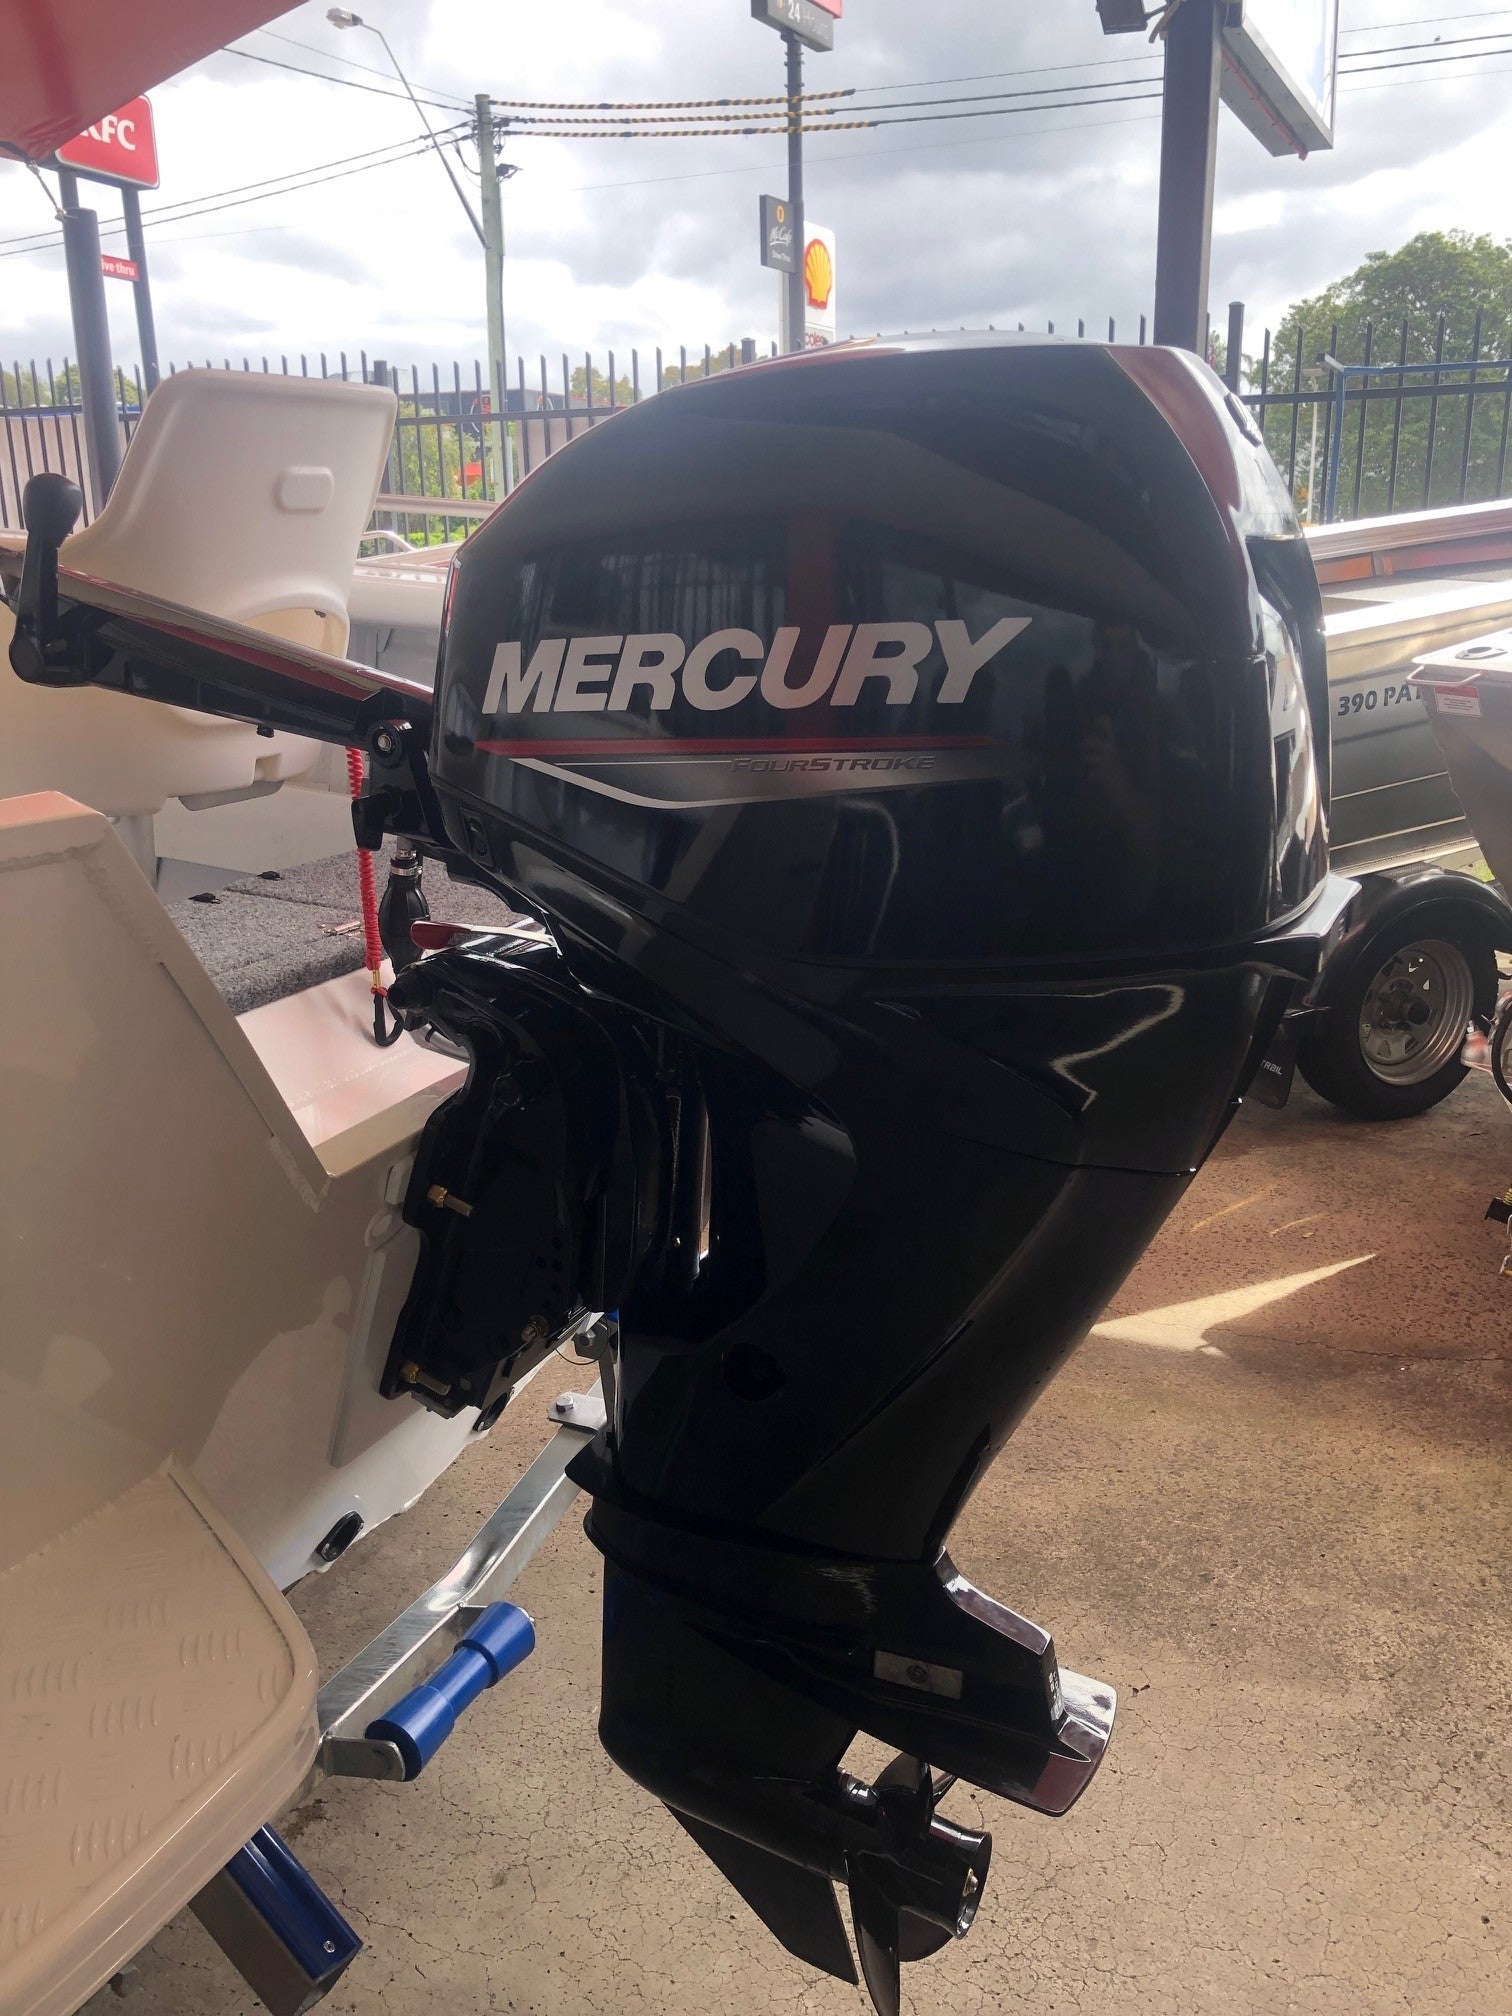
[458,444]
[1418,417]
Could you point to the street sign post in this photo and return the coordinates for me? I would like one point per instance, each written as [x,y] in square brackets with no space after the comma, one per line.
[1274,63]
[812,21]
[1188,160]
[803,24]
[120,148]
[121,151]
[779,240]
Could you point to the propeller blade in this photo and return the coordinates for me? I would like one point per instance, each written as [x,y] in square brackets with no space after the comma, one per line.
[908,1774]
[796,1905]
[919,1937]
[876,1919]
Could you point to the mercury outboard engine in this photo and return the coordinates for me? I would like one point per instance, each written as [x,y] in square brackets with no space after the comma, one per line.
[916,752]
[918,756]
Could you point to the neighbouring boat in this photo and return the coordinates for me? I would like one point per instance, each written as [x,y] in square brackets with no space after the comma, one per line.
[1467,690]
[1468,693]
[1395,589]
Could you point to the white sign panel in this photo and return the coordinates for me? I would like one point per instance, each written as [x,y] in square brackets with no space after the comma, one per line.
[818,269]
[818,285]
[1282,76]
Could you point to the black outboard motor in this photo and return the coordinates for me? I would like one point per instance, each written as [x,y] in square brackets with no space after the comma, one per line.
[918,755]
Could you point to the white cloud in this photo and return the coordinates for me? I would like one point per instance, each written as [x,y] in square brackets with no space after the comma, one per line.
[1046,216]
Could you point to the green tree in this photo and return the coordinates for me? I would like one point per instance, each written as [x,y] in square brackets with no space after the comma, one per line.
[431,460]
[1388,310]
[29,387]
[624,391]
[719,360]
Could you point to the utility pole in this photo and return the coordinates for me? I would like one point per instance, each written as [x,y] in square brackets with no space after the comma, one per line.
[500,470]
[796,282]
[1188,158]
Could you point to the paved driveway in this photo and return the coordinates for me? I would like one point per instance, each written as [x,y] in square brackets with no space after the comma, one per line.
[1269,1501]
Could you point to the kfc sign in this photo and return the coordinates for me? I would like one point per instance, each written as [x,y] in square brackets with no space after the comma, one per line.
[118,148]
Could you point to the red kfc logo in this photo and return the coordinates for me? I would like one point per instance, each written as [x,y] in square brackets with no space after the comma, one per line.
[121,147]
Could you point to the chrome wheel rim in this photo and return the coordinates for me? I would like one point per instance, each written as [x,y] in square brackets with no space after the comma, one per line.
[1416,1011]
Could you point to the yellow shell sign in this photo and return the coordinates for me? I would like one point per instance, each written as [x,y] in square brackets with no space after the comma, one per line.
[818,273]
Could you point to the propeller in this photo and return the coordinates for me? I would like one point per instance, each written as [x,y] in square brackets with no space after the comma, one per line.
[885,1889]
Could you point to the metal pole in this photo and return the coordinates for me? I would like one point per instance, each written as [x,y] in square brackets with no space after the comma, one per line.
[393,468]
[500,474]
[796,284]
[1312,471]
[1233,356]
[1188,157]
[1336,440]
[136,248]
[451,174]
[86,298]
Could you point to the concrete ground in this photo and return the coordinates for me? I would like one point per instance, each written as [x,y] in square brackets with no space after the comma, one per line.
[1268,1501]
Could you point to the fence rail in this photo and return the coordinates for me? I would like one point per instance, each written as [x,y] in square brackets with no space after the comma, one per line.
[1347,443]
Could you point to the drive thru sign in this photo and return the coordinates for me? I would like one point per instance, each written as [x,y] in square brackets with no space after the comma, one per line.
[121,147]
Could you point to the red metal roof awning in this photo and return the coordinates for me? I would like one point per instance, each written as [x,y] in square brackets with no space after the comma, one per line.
[66,63]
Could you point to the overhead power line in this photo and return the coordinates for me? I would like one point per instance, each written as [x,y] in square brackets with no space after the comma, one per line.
[1069,97]
[435,91]
[438,93]
[346,83]
[621,117]
[316,170]
[253,192]
[782,127]
[661,104]
[915,111]
[1141,62]
[1146,65]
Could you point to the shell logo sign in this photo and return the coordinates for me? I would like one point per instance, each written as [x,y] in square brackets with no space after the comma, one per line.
[818,273]
[819,284]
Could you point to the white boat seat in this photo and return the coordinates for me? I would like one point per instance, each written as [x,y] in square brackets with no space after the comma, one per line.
[239,494]
[159,1703]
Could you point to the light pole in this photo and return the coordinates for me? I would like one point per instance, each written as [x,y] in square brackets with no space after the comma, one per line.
[342,17]
[489,233]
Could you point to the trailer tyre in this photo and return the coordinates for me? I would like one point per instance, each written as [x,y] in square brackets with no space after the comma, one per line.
[1389,1045]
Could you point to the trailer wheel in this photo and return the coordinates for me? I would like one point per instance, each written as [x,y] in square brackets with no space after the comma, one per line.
[1398,1011]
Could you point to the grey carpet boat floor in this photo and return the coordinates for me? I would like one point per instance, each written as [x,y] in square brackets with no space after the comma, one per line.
[271,935]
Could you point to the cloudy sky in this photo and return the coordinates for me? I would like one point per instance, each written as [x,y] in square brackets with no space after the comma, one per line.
[1049,213]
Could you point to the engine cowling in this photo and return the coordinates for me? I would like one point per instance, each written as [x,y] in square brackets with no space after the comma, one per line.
[918,753]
